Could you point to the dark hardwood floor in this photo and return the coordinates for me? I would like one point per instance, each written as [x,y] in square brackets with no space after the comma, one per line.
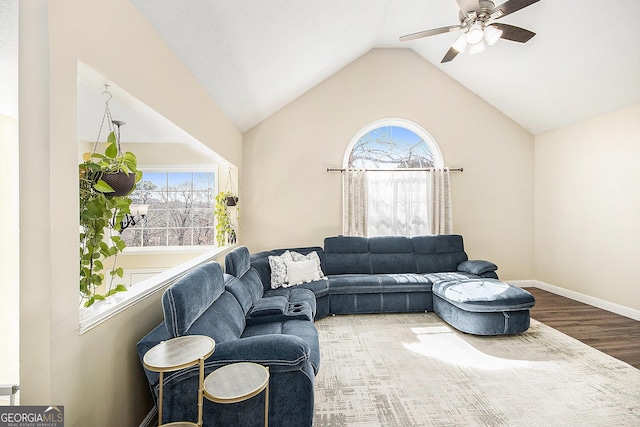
[616,335]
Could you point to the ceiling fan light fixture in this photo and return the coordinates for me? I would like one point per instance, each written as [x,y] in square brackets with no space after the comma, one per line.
[475,33]
[478,47]
[492,34]
[460,44]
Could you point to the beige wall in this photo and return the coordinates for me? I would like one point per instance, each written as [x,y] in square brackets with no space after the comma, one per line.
[97,375]
[9,288]
[587,207]
[290,199]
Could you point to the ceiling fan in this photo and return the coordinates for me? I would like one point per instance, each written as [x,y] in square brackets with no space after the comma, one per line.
[477,20]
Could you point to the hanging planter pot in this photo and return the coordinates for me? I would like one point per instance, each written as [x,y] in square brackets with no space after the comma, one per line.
[232,200]
[121,182]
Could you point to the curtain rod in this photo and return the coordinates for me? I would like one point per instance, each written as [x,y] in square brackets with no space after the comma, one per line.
[460,169]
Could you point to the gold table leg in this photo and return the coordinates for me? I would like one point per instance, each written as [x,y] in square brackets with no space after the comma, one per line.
[160,399]
[266,402]
[200,392]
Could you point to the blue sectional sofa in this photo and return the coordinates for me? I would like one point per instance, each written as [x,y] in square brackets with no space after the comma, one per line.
[256,312]
[206,302]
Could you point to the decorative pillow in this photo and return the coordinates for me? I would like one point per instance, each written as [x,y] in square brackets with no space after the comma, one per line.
[279,269]
[477,267]
[311,256]
[301,272]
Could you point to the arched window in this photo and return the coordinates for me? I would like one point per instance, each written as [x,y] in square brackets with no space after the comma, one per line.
[392,144]
[394,182]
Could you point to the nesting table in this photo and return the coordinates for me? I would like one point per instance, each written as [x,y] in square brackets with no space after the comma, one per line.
[175,354]
[238,382]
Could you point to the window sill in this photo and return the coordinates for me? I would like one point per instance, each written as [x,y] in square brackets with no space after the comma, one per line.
[155,250]
[101,311]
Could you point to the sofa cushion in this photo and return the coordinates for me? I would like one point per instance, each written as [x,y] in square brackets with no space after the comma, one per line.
[310,256]
[436,254]
[240,291]
[260,262]
[278,266]
[237,262]
[347,255]
[407,282]
[354,284]
[298,328]
[224,320]
[187,299]
[483,295]
[392,254]
[302,271]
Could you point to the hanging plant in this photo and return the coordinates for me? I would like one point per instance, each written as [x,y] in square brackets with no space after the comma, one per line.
[102,209]
[224,229]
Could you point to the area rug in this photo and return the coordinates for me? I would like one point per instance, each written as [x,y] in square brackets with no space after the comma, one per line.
[415,370]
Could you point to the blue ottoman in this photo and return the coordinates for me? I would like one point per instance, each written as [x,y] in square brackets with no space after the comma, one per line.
[483,306]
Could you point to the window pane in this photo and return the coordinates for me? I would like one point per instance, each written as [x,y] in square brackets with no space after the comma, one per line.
[179,218]
[180,236]
[179,203]
[204,236]
[155,237]
[157,179]
[180,180]
[203,180]
[203,218]
[133,236]
[391,147]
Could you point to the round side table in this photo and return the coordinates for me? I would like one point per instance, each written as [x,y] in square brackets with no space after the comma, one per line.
[175,354]
[238,382]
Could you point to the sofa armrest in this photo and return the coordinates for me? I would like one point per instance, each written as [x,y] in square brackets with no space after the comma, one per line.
[477,267]
[281,353]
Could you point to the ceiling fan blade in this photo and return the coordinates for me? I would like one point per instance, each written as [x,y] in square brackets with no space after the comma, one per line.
[451,53]
[468,6]
[513,33]
[511,6]
[428,33]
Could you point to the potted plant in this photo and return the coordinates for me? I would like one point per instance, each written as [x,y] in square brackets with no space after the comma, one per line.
[102,208]
[224,229]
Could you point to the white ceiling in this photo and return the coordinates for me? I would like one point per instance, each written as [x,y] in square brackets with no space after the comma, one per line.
[255,56]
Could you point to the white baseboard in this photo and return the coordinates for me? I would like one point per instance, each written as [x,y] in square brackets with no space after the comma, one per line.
[577,296]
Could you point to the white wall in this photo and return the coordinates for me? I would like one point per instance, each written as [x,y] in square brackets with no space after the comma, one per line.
[97,376]
[290,199]
[588,205]
[9,288]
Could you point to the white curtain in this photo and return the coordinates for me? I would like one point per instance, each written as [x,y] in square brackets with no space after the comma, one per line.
[439,200]
[406,203]
[354,203]
[398,203]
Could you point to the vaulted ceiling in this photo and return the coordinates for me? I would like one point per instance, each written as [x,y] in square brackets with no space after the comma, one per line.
[255,56]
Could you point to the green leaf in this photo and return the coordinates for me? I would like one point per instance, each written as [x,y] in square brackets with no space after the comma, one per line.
[112,137]
[111,151]
[103,187]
